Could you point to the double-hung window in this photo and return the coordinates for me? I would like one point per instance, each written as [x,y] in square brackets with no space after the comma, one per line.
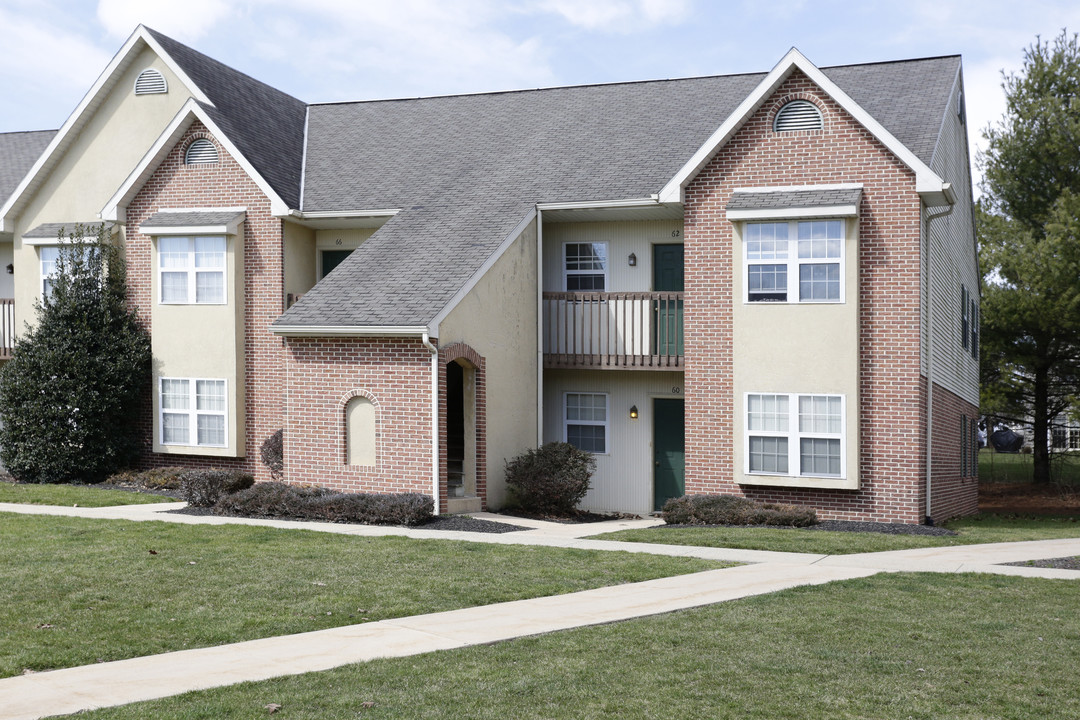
[798,261]
[586,421]
[585,266]
[49,255]
[192,270]
[795,435]
[193,412]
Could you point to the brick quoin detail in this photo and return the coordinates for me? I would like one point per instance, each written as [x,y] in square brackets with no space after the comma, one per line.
[343,405]
[891,417]
[451,353]
[323,374]
[220,184]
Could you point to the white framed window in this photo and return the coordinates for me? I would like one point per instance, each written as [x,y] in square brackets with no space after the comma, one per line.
[192,412]
[191,270]
[801,261]
[48,254]
[586,421]
[585,266]
[795,435]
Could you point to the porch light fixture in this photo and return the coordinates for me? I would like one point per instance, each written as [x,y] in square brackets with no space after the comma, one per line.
[10,269]
[632,260]
[633,412]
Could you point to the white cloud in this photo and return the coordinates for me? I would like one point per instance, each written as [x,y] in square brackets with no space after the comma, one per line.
[183,19]
[618,16]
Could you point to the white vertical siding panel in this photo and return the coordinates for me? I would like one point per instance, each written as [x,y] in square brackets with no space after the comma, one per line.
[953,262]
[624,475]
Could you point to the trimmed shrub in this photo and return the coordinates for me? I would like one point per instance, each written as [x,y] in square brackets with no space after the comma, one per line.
[734,510]
[203,488]
[274,499]
[164,478]
[551,479]
[272,453]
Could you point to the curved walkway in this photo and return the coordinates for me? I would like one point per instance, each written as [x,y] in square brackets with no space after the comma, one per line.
[116,683]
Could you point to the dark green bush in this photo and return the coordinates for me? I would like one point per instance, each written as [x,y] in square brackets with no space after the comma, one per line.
[71,395]
[163,478]
[203,488]
[272,453]
[734,510]
[551,479]
[274,499]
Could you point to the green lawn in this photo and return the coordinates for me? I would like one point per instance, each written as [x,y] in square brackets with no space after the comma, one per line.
[973,530]
[68,495]
[77,591]
[1017,468]
[919,646]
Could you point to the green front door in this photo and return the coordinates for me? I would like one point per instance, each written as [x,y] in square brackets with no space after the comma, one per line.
[668,314]
[668,457]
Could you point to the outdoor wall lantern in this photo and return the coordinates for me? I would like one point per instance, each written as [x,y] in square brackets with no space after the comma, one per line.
[10,269]
[632,260]
[633,412]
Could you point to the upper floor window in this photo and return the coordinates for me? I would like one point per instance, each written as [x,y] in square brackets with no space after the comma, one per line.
[798,261]
[798,115]
[796,435]
[585,266]
[201,152]
[49,254]
[965,319]
[192,270]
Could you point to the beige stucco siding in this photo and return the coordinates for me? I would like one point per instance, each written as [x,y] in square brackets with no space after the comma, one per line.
[497,318]
[623,481]
[622,238]
[203,342]
[120,132]
[299,260]
[804,348]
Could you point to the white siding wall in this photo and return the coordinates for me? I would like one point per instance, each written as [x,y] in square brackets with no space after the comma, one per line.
[622,238]
[953,262]
[624,475]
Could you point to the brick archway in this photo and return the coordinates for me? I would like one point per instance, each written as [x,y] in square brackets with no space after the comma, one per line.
[463,390]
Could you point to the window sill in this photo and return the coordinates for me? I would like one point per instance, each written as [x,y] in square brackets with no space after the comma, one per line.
[822,483]
[204,450]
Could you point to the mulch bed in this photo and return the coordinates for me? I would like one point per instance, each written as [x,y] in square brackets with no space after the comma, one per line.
[457,523]
[845,526]
[1065,563]
[581,516]
[1029,499]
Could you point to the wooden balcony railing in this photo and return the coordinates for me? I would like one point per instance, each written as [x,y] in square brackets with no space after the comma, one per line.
[613,330]
[7,327]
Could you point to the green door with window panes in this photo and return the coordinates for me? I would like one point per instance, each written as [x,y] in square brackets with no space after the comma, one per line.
[667,313]
[332,258]
[668,454]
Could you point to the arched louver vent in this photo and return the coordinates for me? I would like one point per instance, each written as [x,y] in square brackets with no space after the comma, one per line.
[201,152]
[150,82]
[798,115]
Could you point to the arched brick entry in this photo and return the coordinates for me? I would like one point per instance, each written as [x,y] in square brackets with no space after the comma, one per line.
[462,430]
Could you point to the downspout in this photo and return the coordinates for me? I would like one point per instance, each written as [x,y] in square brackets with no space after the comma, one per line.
[434,418]
[929,520]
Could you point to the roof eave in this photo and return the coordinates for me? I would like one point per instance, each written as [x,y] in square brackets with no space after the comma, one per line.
[350,330]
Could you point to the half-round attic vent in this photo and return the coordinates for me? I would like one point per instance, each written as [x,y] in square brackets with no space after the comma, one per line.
[798,115]
[201,152]
[150,82]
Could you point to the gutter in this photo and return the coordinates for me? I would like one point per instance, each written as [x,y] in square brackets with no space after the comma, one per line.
[434,418]
[349,330]
[929,520]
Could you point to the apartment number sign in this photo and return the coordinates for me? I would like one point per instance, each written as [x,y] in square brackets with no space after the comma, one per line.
[676,390]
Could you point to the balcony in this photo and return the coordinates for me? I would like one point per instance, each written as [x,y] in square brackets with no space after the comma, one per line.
[613,330]
[7,327]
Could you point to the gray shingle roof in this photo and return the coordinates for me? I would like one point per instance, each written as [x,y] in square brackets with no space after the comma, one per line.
[794,199]
[466,169]
[52,230]
[190,219]
[265,124]
[18,152]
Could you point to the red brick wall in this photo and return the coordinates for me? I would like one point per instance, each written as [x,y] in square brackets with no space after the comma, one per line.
[223,184]
[952,493]
[891,415]
[323,374]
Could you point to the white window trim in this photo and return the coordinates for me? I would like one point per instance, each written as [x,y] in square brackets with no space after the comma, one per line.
[42,276]
[606,424]
[793,262]
[566,273]
[794,436]
[192,413]
[191,270]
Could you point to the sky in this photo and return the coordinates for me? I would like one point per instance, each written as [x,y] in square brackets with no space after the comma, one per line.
[331,50]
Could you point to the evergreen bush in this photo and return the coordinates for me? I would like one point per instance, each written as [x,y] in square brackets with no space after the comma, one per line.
[551,479]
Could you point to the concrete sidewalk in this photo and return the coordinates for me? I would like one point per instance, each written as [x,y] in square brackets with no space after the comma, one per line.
[117,683]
